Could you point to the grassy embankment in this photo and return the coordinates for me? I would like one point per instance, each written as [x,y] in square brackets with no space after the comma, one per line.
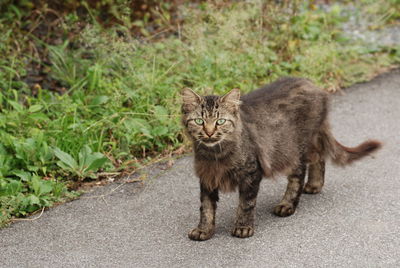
[117,103]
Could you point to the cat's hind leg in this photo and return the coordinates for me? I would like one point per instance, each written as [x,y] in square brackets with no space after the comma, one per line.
[316,168]
[316,177]
[289,202]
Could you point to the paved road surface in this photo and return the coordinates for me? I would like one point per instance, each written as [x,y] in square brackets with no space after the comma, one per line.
[354,222]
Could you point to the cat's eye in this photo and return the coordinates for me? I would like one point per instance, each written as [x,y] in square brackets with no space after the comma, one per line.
[199,121]
[221,121]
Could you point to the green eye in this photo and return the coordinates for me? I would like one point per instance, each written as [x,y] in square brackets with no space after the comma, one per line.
[221,121]
[199,121]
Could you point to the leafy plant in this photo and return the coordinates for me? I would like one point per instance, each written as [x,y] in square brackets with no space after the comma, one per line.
[88,162]
[103,91]
[26,193]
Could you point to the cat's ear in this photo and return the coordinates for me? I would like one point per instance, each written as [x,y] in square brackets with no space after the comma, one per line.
[190,99]
[232,98]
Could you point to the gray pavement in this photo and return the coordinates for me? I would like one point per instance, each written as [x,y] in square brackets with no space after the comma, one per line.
[354,222]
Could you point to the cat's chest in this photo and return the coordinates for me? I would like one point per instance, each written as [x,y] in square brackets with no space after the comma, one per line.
[223,175]
[216,175]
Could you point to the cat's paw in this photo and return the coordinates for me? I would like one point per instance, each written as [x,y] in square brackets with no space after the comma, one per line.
[243,231]
[312,189]
[198,234]
[284,210]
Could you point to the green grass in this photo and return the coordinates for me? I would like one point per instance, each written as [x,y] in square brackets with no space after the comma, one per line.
[121,103]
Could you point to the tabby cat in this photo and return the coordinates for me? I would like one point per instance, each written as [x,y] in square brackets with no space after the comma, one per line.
[281,128]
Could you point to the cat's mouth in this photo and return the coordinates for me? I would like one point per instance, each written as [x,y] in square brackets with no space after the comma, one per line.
[210,141]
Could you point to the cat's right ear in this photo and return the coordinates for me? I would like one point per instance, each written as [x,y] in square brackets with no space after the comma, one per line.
[190,99]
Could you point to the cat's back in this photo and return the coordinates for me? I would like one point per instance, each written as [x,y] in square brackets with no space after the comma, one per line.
[283,89]
[285,99]
[281,119]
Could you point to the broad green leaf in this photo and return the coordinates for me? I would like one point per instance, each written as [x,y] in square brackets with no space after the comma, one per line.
[35,184]
[32,168]
[3,188]
[64,166]
[30,146]
[136,124]
[18,107]
[3,120]
[66,158]
[44,201]
[99,100]
[94,76]
[97,163]
[39,117]
[84,157]
[25,176]
[160,111]
[33,200]
[32,208]
[35,108]
[146,132]
[159,131]
[45,187]
[13,187]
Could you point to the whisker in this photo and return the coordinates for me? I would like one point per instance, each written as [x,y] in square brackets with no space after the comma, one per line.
[199,142]
[220,147]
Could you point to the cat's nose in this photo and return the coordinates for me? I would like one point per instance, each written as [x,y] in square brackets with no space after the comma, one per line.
[209,131]
[209,134]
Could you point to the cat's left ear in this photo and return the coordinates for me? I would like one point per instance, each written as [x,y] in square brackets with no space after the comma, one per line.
[232,98]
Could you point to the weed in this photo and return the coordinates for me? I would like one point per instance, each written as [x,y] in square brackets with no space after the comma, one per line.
[86,166]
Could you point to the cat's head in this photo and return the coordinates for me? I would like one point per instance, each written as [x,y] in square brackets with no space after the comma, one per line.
[210,120]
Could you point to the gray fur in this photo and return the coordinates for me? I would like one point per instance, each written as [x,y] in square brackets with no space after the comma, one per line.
[279,129]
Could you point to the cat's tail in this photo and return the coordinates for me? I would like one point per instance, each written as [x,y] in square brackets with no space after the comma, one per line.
[342,155]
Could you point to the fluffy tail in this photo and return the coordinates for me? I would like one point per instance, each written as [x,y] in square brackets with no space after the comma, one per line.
[342,155]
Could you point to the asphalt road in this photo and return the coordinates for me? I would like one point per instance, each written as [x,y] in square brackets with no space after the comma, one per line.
[354,222]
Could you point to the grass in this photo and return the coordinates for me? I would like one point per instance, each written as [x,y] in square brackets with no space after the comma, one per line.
[120,101]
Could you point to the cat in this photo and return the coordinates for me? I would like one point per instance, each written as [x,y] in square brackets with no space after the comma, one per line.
[281,128]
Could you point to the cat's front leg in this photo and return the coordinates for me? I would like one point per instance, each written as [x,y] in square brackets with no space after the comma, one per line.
[206,227]
[248,190]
